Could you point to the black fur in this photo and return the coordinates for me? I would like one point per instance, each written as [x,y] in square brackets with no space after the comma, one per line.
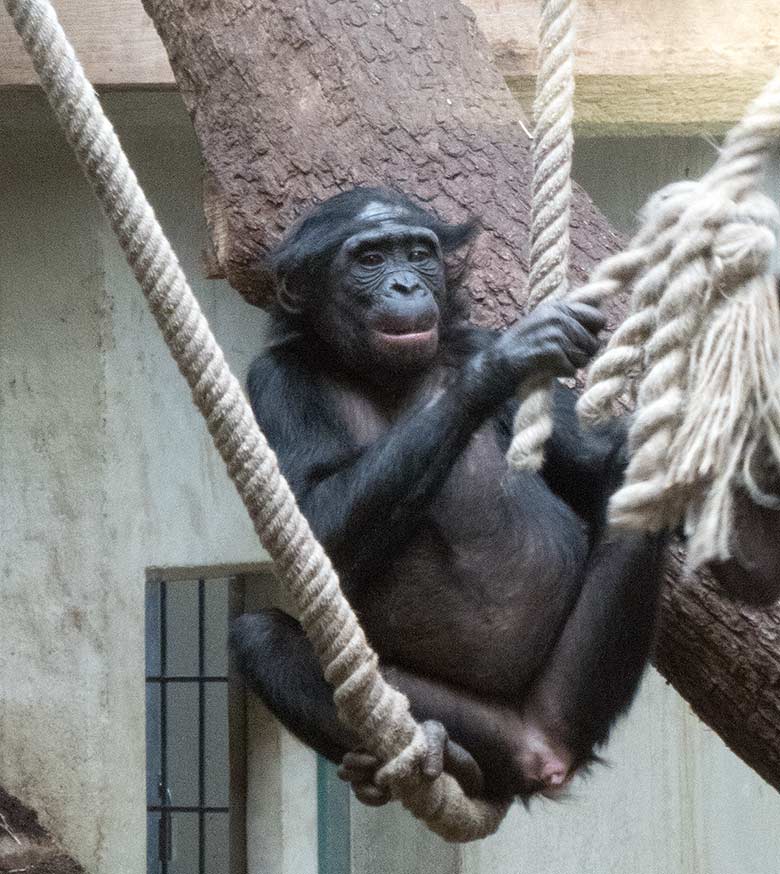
[485,592]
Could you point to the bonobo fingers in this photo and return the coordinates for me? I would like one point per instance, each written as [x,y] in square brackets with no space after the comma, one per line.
[446,755]
[359,769]
[463,767]
[556,339]
[590,317]
[580,323]
[436,736]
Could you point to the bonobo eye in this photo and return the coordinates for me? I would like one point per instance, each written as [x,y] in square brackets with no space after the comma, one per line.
[370,259]
[418,254]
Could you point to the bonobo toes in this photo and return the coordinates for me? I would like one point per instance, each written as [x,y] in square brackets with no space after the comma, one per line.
[359,768]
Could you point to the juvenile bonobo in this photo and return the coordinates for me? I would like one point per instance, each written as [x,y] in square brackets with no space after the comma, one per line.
[495,599]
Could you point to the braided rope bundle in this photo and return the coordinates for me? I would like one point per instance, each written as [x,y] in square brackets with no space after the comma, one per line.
[700,353]
[376,712]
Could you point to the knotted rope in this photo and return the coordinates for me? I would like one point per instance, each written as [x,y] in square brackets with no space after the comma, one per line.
[705,333]
[378,714]
[704,327]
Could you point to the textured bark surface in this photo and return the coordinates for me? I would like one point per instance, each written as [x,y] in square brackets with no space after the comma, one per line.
[294,101]
[723,657]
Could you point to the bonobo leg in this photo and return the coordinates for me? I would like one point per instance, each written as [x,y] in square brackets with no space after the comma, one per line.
[595,668]
[281,667]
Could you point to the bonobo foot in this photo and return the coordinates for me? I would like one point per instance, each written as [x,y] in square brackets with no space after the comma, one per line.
[359,767]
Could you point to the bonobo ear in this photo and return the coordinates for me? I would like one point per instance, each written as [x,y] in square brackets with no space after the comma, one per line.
[300,268]
[290,300]
[454,237]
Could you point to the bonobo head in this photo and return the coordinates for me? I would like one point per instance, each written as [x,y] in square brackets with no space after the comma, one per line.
[365,274]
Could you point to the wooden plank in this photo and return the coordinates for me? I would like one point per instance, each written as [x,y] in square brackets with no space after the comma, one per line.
[670,66]
[115,41]
[666,66]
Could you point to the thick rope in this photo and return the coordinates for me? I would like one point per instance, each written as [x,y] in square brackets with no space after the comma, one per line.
[700,353]
[704,327]
[376,712]
[550,209]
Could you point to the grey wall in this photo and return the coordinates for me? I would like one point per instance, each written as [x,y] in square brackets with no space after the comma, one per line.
[106,470]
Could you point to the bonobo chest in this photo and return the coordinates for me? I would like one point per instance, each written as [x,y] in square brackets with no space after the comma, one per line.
[485,523]
[491,544]
[497,523]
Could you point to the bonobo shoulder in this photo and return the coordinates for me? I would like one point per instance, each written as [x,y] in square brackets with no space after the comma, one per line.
[276,375]
[287,398]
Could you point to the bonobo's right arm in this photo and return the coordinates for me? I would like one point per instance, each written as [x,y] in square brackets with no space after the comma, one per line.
[363,503]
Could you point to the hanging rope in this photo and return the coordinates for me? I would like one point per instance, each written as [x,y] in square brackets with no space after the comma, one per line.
[700,353]
[548,274]
[704,327]
[376,712]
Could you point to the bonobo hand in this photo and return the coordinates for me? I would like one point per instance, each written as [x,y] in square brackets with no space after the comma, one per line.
[556,339]
[359,767]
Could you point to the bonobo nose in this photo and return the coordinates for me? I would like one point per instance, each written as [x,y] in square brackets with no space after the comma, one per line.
[405,283]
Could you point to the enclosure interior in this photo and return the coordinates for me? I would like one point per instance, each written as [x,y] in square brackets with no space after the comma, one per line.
[109,485]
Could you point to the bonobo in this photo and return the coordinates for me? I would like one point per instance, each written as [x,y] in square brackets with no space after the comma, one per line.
[515,623]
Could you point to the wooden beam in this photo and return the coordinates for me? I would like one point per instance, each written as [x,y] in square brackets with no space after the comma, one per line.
[114,39]
[670,66]
[666,66]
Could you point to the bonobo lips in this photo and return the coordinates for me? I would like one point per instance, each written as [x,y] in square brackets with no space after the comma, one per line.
[405,333]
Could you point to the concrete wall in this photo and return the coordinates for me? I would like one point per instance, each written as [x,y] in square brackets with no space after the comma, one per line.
[106,470]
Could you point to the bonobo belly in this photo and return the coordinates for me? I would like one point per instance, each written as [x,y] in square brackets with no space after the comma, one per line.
[479,595]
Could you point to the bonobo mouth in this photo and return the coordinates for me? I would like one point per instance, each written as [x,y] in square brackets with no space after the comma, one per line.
[418,335]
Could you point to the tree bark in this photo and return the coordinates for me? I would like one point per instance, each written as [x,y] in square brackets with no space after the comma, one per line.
[292,102]
[723,657]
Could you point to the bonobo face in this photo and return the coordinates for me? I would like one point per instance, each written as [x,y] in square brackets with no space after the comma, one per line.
[386,284]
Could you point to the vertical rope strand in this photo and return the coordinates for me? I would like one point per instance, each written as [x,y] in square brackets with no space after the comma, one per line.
[550,208]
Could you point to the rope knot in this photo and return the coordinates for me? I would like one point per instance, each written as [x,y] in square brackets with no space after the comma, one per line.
[744,245]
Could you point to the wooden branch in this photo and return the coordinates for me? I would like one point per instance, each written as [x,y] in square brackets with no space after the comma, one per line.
[642,67]
[292,102]
[723,657]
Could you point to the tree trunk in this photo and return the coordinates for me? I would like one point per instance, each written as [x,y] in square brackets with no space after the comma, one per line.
[723,657]
[294,101]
